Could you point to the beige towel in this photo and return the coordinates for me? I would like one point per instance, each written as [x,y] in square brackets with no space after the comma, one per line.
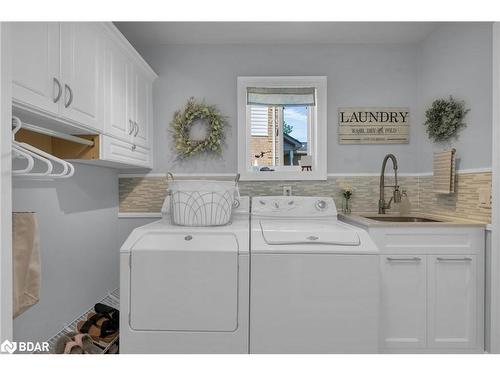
[26,261]
[444,172]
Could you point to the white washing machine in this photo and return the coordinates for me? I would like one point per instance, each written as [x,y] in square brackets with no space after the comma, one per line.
[314,279]
[186,289]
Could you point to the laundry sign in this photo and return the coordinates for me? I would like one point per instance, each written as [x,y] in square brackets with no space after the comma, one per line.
[377,125]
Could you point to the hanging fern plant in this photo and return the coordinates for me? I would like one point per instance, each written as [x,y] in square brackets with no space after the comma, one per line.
[183,121]
[445,118]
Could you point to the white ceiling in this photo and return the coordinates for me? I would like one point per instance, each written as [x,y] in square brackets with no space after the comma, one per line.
[144,33]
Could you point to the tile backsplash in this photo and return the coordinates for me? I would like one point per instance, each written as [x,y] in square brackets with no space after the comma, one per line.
[142,194]
[463,204]
[146,194]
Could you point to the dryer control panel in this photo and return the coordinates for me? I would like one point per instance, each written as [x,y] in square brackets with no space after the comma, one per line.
[291,207]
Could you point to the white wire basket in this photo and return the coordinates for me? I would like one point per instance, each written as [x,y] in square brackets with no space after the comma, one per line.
[202,203]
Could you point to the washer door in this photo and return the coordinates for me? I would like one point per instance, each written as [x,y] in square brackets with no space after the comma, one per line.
[184,282]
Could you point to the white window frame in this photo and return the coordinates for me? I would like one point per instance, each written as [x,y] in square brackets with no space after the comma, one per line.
[317,141]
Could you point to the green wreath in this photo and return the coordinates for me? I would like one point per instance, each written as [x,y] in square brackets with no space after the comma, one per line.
[445,118]
[181,125]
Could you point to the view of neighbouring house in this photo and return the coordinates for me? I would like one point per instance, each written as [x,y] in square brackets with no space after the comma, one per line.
[279,134]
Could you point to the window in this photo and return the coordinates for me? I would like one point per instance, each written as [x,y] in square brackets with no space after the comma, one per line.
[279,134]
[282,128]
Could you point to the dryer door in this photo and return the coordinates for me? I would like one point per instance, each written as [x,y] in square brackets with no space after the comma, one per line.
[184,282]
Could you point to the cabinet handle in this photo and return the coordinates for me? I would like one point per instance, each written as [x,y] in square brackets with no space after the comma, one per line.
[131,127]
[59,90]
[133,147]
[412,259]
[464,259]
[136,129]
[70,95]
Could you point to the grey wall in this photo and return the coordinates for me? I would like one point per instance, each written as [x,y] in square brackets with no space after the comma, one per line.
[80,237]
[456,59]
[358,75]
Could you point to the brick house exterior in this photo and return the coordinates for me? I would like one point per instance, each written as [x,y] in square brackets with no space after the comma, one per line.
[260,144]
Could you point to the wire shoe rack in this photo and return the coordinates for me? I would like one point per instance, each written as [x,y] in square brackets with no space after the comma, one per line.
[112,299]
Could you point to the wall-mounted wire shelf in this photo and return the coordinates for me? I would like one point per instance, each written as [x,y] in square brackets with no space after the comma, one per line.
[112,299]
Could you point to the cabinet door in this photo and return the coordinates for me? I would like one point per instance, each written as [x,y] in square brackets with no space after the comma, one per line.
[118,94]
[35,65]
[82,57]
[143,93]
[403,301]
[452,301]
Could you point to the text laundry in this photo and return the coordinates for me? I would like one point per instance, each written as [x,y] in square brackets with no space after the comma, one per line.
[373,117]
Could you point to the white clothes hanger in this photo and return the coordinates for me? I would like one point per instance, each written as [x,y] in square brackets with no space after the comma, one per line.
[17,126]
[50,158]
[35,156]
[23,155]
[68,168]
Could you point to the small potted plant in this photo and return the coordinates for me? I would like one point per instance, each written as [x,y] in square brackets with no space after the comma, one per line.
[346,195]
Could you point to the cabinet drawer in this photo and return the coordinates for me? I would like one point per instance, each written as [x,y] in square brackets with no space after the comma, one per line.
[429,240]
[122,152]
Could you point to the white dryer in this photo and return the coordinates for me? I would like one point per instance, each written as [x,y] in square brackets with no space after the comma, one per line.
[186,289]
[314,279]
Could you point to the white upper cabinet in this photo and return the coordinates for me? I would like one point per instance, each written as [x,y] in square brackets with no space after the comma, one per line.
[129,91]
[141,107]
[82,57]
[453,288]
[86,77]
[58,70]
[118,114]
[35,65]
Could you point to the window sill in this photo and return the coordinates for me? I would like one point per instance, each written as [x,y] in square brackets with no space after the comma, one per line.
[282,176]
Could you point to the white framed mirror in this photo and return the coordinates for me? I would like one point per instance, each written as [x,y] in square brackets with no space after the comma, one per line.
[282,128]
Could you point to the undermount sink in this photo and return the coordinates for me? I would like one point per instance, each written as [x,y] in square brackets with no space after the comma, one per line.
[403,219]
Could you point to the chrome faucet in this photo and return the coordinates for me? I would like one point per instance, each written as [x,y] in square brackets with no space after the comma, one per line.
[396,195]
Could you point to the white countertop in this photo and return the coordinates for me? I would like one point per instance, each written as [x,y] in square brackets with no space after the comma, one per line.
[361,219]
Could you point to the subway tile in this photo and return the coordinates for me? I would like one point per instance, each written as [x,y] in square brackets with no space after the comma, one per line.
[146,194]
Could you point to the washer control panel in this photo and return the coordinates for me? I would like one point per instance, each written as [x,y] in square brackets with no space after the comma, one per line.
[290,206]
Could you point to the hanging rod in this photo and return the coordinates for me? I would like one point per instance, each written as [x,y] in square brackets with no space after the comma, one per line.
[54,133]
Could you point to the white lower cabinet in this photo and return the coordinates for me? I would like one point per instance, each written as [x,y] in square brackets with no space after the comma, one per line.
[432,289]
[403,302]
[452,311]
